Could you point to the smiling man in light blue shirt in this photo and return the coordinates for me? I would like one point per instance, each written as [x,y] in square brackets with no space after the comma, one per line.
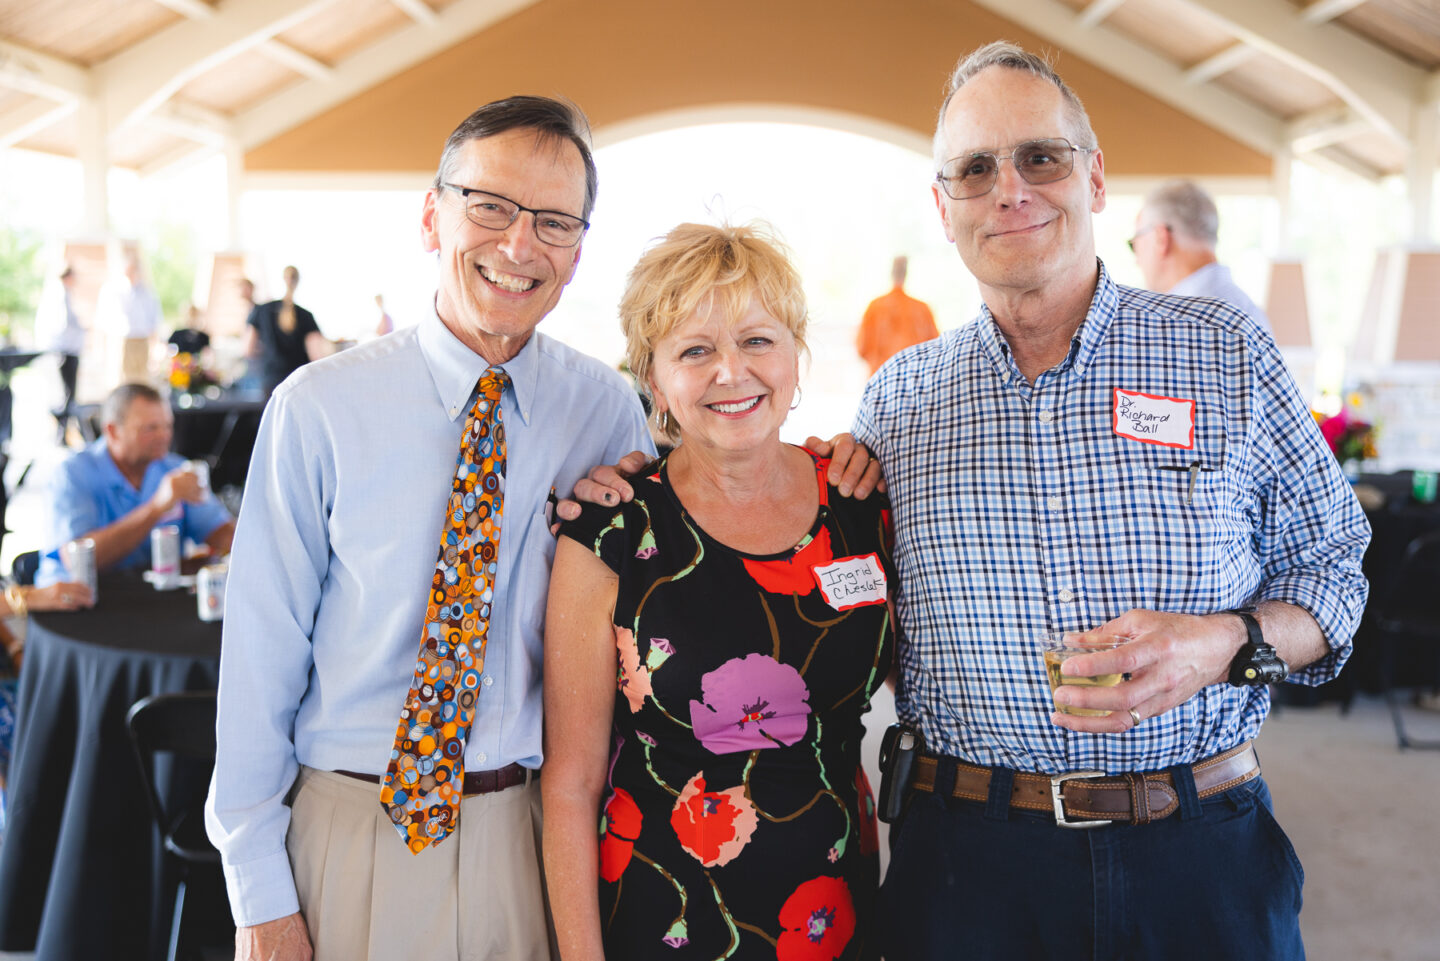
[333,562]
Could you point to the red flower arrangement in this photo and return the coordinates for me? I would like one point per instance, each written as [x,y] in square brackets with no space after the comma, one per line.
[1349,437]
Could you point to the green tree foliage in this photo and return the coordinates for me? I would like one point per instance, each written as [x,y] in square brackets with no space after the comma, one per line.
[21,277]
[171,263]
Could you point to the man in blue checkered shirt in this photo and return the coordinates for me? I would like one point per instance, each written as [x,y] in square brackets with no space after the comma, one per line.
[1086,457]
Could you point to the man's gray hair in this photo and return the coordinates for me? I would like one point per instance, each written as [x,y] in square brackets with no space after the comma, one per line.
[117,405]
[1002,53]
[553,120]
[1186,209]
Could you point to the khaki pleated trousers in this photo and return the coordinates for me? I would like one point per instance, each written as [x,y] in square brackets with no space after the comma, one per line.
[479,895]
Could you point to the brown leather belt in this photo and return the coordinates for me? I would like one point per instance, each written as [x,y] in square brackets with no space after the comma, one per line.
[1083,799]
[475,782]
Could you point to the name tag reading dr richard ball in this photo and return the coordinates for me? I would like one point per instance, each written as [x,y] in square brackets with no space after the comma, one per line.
[852,582]
[1151,419]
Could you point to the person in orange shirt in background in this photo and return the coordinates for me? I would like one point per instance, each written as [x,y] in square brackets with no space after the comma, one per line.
[894,322]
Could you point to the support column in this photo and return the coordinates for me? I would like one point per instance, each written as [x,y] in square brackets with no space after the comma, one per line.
[234,188]
[1420,171]
[93,152]
[1285,229]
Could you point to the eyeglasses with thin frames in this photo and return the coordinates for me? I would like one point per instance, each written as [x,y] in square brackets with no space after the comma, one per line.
[495,212]
[1142,232]
[1036,161]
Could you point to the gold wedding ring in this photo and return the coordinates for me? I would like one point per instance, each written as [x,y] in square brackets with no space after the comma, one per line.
[1135,716]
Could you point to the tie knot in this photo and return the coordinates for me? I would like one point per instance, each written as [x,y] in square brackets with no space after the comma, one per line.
[492,383]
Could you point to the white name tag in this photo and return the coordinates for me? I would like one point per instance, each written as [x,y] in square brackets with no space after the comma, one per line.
[1167,421]
[852,582]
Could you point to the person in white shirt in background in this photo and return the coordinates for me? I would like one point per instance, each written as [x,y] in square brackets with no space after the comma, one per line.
[1174,243]
[129,313]
[58,329]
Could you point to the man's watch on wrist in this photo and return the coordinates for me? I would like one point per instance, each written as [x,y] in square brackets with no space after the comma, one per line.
[1257,662]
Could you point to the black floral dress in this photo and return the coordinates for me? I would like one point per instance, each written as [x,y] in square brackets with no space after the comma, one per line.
[739,822]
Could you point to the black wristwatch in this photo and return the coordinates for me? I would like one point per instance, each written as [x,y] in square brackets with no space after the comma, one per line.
[1257,663]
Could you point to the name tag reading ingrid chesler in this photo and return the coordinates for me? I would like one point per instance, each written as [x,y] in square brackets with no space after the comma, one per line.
[1152,419]
[852,581]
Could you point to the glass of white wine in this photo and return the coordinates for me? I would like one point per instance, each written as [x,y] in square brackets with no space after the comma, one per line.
[1061,647]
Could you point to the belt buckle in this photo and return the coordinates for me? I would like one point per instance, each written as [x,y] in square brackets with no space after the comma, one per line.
[1058,799]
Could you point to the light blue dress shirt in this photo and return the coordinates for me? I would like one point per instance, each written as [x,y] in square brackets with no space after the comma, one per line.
[88,492]
[1214,281]
[333,558]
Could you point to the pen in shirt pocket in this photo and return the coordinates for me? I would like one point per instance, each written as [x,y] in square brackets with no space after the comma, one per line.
[1194,470]
[551,503]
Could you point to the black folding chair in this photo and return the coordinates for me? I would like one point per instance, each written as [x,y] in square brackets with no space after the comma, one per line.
[1408,613]
[181,726]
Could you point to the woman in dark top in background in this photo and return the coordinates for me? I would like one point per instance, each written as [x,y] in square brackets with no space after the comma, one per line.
[283,336]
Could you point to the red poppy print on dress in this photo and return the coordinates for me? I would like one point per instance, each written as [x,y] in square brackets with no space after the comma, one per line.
[620,828]
[819,920]
[751,702]
[791,575]
[713,826]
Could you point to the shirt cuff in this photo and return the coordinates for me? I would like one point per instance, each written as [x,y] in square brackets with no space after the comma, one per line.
[261,890]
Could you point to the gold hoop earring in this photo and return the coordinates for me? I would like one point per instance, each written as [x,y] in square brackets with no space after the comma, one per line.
[797,397]
[662,420]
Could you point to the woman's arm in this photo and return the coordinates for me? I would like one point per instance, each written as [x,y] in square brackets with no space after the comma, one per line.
[579,704]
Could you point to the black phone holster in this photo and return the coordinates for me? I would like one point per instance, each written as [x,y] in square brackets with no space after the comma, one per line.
[900,748]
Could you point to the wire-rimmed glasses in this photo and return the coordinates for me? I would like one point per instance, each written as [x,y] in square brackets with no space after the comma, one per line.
[495,212]
[1037,161]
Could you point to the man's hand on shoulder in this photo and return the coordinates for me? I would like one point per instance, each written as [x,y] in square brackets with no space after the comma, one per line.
[852,469]
[605,484]
[284,939]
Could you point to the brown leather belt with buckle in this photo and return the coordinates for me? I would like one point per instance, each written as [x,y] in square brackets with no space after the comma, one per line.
[475,782]
[1086,799]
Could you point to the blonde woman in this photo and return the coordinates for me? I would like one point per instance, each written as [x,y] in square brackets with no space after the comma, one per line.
[712,644]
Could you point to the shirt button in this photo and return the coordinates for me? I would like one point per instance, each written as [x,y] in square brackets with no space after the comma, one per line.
[1053,503]
[1066,595]
[454,411]
[488,680]
[1046,416]
[480,758]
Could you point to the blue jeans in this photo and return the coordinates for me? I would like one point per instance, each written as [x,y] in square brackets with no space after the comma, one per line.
[1216,880]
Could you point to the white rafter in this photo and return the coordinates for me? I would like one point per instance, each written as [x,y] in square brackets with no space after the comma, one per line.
[192,122]
[25,122]
[364,69]
[1220,63]
[140,78]
[296,59]
[1323,11]
[1325,128]
[1096,11]
[1380,86]
[193,9]
[42,75]
[417,10]
[1145,69]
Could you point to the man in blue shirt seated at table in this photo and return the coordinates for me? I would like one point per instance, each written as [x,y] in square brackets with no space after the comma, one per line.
[126,483]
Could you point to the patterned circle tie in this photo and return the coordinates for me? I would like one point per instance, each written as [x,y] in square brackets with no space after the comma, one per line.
[423,783]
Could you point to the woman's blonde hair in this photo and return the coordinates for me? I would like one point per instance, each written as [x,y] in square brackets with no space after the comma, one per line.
[699,264]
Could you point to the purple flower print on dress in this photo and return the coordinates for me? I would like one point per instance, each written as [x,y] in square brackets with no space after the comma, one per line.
[749,703]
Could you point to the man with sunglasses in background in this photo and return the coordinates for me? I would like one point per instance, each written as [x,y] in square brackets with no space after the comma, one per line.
[379,730]
[1092,459]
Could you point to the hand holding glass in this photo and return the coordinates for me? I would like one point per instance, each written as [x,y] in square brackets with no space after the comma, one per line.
[1059,648]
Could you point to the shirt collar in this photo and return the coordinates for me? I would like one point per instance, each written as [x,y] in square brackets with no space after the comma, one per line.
[455,369]
[1083,346]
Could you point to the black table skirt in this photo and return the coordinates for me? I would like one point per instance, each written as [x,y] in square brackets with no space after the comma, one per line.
[80,863]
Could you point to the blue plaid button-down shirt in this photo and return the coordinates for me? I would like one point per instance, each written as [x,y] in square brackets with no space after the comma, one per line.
[1019,511]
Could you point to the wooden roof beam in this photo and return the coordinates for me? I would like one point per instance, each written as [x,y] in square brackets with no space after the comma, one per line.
[1323,11]
[191,9]
[22,123]
[418,10]
[1220,63]
[296,60]
[42,75]
[1097,11]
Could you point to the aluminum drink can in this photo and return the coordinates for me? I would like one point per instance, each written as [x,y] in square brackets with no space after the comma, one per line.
[201,470]
[210,591]
[1423,486]
[165,556]
[78,556]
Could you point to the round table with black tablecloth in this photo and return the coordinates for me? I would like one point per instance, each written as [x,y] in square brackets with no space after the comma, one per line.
[80,863]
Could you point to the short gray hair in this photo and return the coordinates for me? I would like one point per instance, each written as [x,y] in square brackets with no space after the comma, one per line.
[1011,56]
[1186,209]
[553,120]
[117,405]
